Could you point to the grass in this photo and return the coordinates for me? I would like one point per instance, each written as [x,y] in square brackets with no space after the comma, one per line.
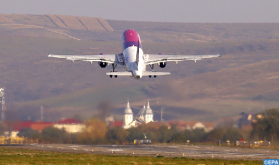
[23,156]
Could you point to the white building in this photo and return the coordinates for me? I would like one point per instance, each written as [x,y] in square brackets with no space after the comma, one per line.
[148,114]
[128,117]
[70,125]
[145,115]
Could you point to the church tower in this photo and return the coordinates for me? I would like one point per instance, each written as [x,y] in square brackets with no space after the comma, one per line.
[128,116]
[148,115]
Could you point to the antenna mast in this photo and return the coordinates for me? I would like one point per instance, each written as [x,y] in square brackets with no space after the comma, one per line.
[42,113]
[2,100]
[162,109]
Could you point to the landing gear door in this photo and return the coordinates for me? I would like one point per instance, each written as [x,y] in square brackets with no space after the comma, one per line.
[119,59]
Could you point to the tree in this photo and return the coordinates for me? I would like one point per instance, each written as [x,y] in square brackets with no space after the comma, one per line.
[166,133]
[179,137]
[266,127]
[134,133]
[232,134]
[95,130]
[29,133]
[55,135]
[215,135]
[198,134]
[117,135]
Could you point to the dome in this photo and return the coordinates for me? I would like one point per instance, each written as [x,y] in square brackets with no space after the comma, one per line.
[148,109]
[128,110]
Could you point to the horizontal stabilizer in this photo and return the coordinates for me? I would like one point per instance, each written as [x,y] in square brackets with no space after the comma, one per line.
[119,73]
[148,73]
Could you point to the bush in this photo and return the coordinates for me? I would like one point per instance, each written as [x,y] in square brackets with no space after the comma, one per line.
[29,133]
[55,135]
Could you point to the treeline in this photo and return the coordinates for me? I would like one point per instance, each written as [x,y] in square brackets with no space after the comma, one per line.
[96,132]
[264,127]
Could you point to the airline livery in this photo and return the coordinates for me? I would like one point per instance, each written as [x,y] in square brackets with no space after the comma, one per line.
[133,59]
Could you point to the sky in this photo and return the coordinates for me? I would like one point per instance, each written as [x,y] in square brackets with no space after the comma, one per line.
[200,11]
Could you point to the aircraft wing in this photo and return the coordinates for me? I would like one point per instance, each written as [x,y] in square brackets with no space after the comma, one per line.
[145,73]
[155,58]
[109,58]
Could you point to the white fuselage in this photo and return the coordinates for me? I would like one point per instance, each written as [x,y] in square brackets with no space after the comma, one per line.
[130,59]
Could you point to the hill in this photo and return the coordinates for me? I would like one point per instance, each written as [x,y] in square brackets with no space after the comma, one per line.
[243,79]
[54,26]
[209,96]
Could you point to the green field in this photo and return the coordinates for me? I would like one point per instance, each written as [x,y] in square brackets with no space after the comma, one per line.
[20,156]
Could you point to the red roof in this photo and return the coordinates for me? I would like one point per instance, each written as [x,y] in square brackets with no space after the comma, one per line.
[118,124]
[19,125]
[39,126]
[68,121]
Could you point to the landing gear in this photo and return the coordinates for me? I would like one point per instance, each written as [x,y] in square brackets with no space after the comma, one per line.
[155,76]
[113,70]
[113,67]
[150,76]
[152,67]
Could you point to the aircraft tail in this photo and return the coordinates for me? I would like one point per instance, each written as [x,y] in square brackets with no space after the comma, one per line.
[138,54]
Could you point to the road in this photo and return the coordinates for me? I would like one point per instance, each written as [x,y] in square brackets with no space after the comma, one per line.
[190,151]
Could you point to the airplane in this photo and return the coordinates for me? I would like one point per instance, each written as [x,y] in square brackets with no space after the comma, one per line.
[133,58]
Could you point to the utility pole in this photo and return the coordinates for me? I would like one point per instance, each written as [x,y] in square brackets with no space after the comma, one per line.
[2,100]
[162,109]
[42,113]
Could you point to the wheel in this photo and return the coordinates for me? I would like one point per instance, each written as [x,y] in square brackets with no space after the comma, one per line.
[115,76]
[155,76]
[149,76]
[110,76]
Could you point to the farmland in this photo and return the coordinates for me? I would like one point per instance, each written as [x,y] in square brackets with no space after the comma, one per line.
[23,156]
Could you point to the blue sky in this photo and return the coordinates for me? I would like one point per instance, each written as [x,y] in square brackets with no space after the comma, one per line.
[219,11]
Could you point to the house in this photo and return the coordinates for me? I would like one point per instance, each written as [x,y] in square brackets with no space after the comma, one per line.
[15,127]
[70,125]
[190,125]
[40,126]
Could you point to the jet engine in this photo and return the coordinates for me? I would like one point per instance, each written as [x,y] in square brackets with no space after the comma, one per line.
[103,64]
[162,64]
